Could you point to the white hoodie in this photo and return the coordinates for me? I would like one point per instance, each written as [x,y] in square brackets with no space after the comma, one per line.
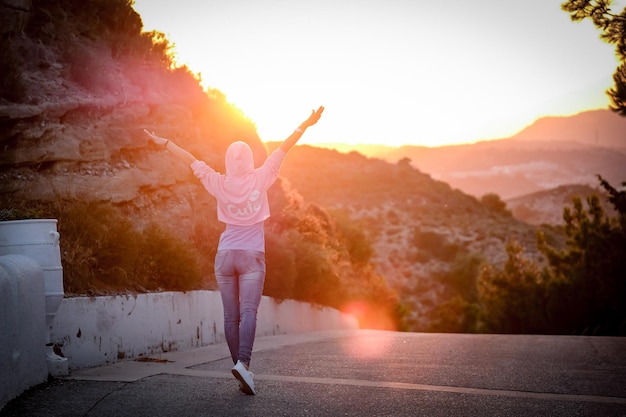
[242,193]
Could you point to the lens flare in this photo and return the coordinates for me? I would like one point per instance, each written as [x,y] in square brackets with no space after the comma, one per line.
[367,345]
[369,315]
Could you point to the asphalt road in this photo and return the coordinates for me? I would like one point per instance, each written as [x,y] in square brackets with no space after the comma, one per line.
[355,373]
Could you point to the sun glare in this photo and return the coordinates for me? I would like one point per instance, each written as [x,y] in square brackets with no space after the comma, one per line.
[391,72]
[367,345]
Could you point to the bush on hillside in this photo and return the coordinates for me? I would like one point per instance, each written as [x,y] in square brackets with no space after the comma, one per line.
[429,244]
[454,315]
[513,298]
[323,258]
[92,19]
[103,252]
[353,238]
[280,265]
[494,203]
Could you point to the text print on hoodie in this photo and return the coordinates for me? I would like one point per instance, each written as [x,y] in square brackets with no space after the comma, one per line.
[242,193]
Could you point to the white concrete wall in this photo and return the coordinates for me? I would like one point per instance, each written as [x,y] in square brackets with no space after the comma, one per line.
[92,331]
[22,326]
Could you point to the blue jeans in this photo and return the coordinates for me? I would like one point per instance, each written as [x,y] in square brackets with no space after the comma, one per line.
[240,275]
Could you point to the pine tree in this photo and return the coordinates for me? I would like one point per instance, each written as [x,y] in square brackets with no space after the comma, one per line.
[613,27]
[589,276]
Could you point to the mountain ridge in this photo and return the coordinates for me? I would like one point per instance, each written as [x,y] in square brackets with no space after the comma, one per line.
[551,152]
[585,127]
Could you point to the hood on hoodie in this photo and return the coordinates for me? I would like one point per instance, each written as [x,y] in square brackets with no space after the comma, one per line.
[239,159]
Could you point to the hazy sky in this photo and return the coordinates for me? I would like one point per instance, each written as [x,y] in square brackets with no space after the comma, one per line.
[391,71]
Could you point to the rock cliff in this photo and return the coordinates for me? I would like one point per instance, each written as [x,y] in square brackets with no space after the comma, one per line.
[78,131]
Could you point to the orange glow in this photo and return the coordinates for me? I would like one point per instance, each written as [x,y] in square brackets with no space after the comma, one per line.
[356,309]
[367,345]
[369,316]
[390,71]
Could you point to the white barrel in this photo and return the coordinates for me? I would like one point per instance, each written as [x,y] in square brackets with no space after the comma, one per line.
[37,239]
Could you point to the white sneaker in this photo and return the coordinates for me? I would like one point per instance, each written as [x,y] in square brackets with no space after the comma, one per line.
[245,377]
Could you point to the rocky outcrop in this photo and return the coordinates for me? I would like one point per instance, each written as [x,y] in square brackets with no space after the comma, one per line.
[71,140]
[93,150]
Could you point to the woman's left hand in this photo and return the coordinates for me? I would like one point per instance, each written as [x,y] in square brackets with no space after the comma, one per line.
[314,117]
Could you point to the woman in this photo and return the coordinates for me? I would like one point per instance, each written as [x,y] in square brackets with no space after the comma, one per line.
[242,205]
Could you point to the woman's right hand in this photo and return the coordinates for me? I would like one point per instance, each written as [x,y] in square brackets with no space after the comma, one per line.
[156,139]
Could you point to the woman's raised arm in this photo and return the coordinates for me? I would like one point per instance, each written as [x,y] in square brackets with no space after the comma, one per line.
[176,150]
[297,134]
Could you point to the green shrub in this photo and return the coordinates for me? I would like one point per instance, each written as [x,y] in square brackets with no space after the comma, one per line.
[165,262]
[281,266]
[103,252]
[454,315]
[588,291]
[205,238]
[18,214]
[353,238]
[513,298]
[316,280]
[435,244]
[462,276]
[98,247]
[494,203]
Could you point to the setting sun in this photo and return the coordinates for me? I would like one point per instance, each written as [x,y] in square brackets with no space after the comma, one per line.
[391,72]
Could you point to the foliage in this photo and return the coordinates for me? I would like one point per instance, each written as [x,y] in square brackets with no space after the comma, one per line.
[454,315]
[102,251]
[580,291]
[322,258]
[424,231]
[18,214]
[459,310]
[462,276]
[94,34]
[204,238]
[617,199]
[165,262]
[513,298]
[494,203]
[89,18]
[353,237]
[281,268]
[590,273]
[613,27]
[434,245]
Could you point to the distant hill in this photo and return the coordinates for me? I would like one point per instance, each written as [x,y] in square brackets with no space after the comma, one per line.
[420,228]
[546,207]
[601,128]
[551,152]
